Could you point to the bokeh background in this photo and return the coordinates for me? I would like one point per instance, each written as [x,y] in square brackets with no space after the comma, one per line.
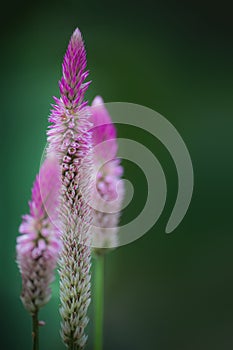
[162,291]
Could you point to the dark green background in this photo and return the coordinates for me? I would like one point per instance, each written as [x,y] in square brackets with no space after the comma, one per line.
[163,291]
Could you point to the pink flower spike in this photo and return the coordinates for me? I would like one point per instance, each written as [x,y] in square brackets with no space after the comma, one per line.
[109,187]
[35,260]
[69,137]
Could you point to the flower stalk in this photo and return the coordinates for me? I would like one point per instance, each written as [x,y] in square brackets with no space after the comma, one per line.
[99,301]
[70,139]
[35,331]
[38,244]
[108,199]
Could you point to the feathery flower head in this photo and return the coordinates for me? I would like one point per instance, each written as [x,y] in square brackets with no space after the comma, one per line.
[38,245]
[71,85]
[109,172]
[69,137]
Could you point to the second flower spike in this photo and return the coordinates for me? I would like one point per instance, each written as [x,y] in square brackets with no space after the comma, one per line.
[109,190]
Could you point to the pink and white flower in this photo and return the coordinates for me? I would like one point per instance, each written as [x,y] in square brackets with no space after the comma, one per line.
[38,244]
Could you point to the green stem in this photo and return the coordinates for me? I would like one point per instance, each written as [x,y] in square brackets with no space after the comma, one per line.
[71,343]
[35,331]
[99,302]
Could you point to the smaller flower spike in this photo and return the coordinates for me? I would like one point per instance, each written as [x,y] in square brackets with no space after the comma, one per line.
[109,189]
[38,245]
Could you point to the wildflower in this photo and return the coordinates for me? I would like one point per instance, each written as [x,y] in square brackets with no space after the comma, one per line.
[69,137]
[38,245]
[110,190]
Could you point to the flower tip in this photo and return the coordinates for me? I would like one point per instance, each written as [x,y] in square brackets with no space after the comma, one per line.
[77,36]
[98,101]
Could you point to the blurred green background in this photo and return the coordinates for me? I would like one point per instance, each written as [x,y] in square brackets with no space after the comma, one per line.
[162,291]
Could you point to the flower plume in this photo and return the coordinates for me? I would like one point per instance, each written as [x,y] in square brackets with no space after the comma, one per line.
[69,137]
[109,188]
[38,245]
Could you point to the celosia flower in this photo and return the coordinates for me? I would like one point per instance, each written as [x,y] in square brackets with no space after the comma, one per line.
[38,245]
[108,184]
[69,137]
